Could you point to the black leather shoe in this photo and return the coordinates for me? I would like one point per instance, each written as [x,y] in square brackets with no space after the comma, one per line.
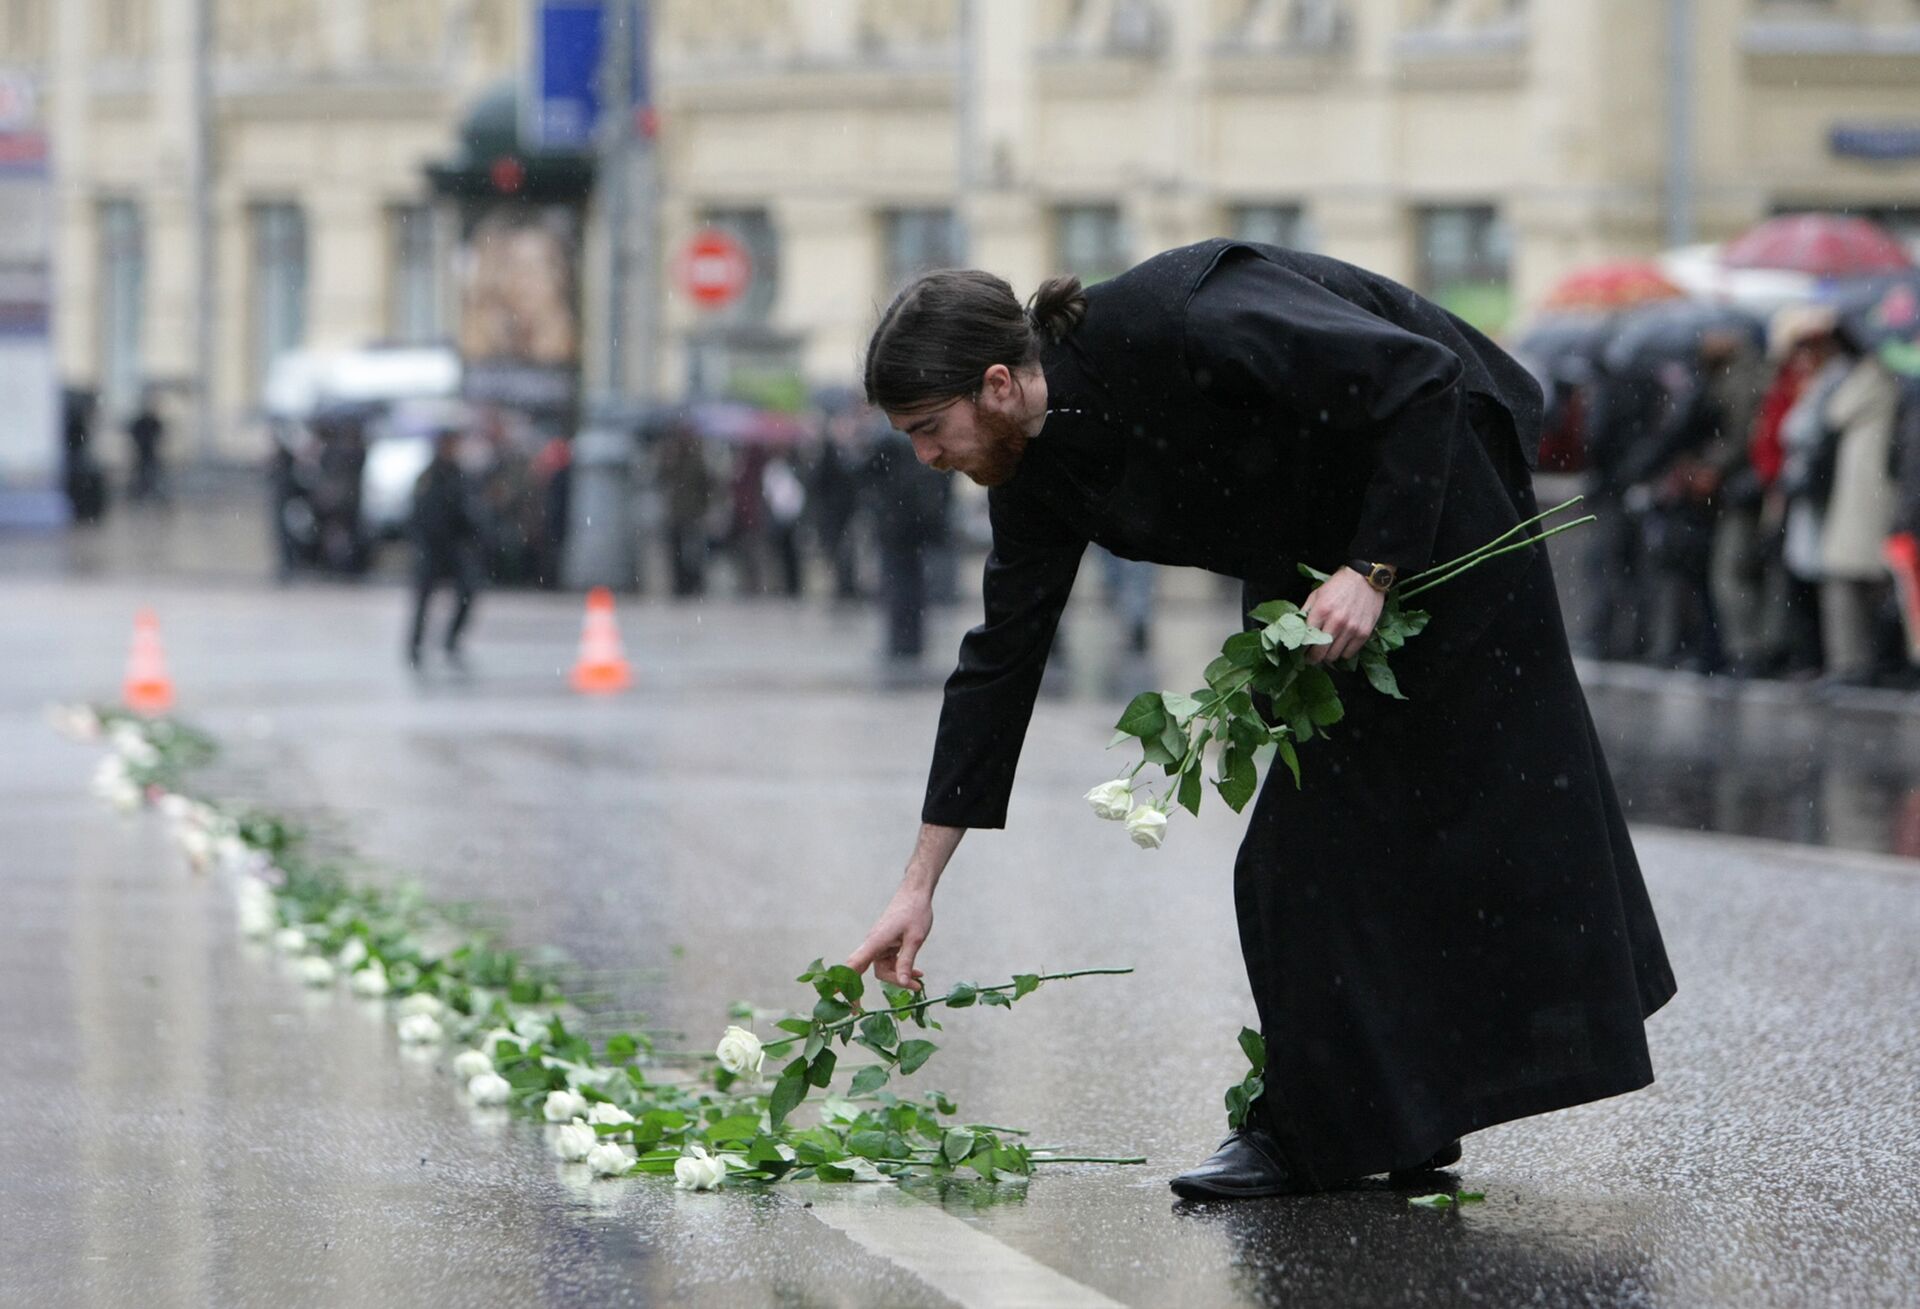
[1445,1157]
[1247,1164]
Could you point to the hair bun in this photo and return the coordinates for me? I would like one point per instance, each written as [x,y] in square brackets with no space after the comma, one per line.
[1059,306]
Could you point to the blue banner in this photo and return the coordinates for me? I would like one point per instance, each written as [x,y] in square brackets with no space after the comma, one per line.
[563,102]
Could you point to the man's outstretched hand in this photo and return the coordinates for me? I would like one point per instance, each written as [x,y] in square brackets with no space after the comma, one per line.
[896,937]
[1347,608]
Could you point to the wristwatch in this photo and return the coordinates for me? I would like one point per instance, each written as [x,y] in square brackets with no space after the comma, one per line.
[1379,576]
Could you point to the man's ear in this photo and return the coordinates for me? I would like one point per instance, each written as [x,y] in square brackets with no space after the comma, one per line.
[997,381]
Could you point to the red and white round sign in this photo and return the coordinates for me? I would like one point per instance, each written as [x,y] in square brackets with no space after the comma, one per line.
[714,268]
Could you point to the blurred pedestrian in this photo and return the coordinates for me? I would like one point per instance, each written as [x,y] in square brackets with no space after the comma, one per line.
[836,495]
[1808,446]
[86,487]
[686,482]
[1623,418]
[909,508]
[1130,596]
[147,432]
[786,501]
[448,538]
[1860,513]
[747,525]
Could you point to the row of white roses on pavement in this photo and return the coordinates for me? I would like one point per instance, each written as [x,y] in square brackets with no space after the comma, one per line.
[212,840]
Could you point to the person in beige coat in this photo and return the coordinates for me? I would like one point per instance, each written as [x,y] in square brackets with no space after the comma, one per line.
[1859,516]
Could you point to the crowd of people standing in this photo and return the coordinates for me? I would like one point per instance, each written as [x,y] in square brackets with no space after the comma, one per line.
[1747,486]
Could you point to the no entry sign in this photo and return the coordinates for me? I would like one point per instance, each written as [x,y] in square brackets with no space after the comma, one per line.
[715,268]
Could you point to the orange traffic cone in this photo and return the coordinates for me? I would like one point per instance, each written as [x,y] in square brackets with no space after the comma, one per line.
[148,689]
[602,667]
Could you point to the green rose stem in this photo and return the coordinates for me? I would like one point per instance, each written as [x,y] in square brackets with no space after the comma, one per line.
[827,1029]
[1482,558]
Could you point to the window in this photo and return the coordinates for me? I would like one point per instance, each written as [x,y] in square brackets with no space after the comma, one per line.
[753,228]
[279,284]
[413,286]
[123,296]
[1464,263]
[1090,242]
[915,241]
[1271,225]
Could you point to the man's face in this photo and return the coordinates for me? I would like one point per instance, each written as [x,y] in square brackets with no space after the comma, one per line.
[965,436]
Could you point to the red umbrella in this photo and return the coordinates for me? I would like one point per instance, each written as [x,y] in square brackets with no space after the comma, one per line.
[1610,286]
[1825,245]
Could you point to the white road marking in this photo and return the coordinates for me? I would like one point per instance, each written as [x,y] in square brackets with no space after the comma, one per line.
[949,1254]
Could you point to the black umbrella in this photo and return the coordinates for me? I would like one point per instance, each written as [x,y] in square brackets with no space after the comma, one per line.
[1563,346]
[1671,331]
[1882,311]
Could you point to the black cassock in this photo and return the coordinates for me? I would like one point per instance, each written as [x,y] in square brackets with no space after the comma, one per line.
[1445,927]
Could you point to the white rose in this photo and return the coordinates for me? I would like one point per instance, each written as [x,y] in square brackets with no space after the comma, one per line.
[490,1042]
[420,1002]
[575,1142]
[1147,826]
[176,807]
[740,1051]
[352,953]
[257,920]
[602,1112]
[469,1064]
[533,1027]
[563,1106]
[609,1159]
[1112,800]
[315,971]
[290,940]
[371,980]
[489,1088]
[698,1171]
[197,846]
[419,1029]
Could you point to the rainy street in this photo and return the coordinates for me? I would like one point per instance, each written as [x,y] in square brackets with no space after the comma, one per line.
[189,1125]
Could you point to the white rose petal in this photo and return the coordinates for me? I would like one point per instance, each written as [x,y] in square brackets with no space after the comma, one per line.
[176,806]
[1147,826]
[290,940]
[352,953]
[532,1028]
[489,1088]
[575,1142]
[698,1171]
[420,1002]
[371,980]
[469,1064]
[315,971]
[563,1106]
[602,1112]
[740,1051]
[609,1159]
[419,1029]
[1112,800]
[490,1043]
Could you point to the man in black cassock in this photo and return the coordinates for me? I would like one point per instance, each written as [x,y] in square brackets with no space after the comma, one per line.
[1444,926]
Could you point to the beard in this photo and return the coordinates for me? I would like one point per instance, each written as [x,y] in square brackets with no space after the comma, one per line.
[1005,442]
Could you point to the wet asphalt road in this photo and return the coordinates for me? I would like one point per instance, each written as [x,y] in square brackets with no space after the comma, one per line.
[187,1126]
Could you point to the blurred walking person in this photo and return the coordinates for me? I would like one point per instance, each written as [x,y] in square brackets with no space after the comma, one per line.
[447,534]
[786,500]
[909,505]
[1806,481]
[836,497]
[147,431]
[1860,513]
[680,465]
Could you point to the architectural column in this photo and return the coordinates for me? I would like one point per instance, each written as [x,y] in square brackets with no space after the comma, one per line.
[1003,224]
[178,338]
[77,249]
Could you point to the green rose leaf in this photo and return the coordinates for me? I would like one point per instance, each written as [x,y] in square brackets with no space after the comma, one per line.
[831,1011]
[1180,707]
[1289,757]
[1381,677]
[1145,716]
[870,1079]
[740,1127]
[798,1026]
[788,1092]
[1190,791]
[999,999]
[1025,984]
[1239,779]
[622,1047]
[1438,1200]
[915,1053]
[1273,611]
[847,982]
[1254,1046]
[820,1071]
[1244,649]
[962,995]
[879,1031]
[957,1145]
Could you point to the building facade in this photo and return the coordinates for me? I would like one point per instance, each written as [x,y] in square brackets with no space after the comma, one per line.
[239,177]
[1476,149]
